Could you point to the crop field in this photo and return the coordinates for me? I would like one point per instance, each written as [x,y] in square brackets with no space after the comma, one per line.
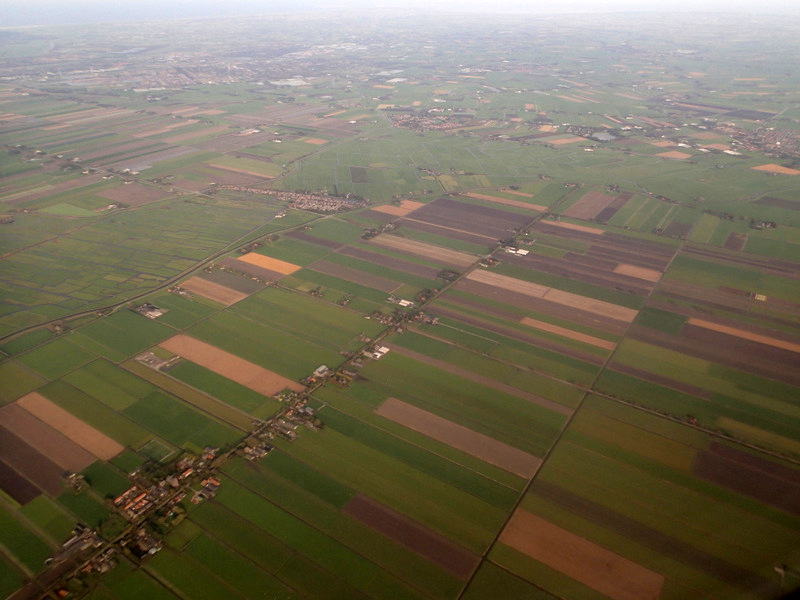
[557,296]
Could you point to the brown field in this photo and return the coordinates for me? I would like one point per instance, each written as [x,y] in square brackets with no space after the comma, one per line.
[423,250]
[213,291]
[578,558]
[134,194]
[508,202]
[718,146]
[61,450]
[406,207]
[266,262]
[548,128]
[773,168]
[674,154]
[584,303]
[27,461]
[481,379]
[417,538]
[751,475]
[86,436]
[476,444]
[242,171]
[569,98]
[565,140]
[354,275]
[229,365]
[735,241]
[575,227]
[315,141]
[569,333]
[250,269]
[589,205]
[383,87]
[16,486]
[663,144]
[638,272]
[746,335]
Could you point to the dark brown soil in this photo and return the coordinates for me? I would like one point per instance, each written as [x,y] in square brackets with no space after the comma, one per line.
[305,237]
[735,241]
[28,461]
[399,528]
[16,486]
[751,475]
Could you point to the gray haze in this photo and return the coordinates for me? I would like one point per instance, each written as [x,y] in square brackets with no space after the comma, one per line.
[47,12]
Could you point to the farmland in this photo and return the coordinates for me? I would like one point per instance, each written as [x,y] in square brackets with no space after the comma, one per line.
[317,306]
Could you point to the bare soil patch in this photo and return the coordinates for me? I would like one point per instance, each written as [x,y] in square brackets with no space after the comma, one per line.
[747,335]
[86,436]
[773,168]
[638,272]
[424,250]
[60,449]
[354,275]
[599,307]
[582,560]
[575,227]
[229,365]
[417,538]
[266,262]
[569,333]
[750,475]
[472,442]
[736,241]
[589,205]
[16,486]
[30,463]
[134,194]
[508,202]
[566,140]
[675,155]
[213,291]
[406,207]
[241,266]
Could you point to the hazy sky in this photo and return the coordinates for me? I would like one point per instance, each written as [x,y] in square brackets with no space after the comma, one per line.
[15,13]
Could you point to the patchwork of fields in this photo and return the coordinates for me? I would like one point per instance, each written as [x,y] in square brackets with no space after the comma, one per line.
[522,359]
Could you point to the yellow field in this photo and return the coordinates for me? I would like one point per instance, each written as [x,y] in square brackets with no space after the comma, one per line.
[266,262]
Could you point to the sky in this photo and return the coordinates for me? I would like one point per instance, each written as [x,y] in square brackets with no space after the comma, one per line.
[44,12]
